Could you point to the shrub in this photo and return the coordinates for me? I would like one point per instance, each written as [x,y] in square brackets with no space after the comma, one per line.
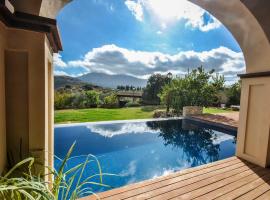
[68,183]
[92,98]
[81,99]
[111,101]
[132,104]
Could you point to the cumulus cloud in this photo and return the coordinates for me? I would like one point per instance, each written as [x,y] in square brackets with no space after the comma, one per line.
[136,9]
[112,59]
[60,73]
[58,62]
[174,10]
[120,129]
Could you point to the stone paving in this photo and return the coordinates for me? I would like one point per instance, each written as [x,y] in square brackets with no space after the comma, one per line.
[230,119]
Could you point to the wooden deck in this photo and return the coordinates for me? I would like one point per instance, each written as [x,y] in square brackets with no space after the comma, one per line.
[231,178]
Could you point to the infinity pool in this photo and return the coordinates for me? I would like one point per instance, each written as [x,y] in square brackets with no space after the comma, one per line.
[136,151]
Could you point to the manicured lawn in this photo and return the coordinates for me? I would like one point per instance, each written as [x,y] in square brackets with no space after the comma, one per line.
[212,110]
[102,114]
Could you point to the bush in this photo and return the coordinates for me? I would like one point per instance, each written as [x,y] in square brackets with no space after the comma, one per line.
[68,183]
[81,99]
[111,101]
[132,104]
[92,99]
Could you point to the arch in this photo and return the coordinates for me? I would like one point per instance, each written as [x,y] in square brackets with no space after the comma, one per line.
[245,28]
[234,14]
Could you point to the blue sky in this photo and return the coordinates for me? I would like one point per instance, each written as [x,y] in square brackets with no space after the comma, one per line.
[141,37]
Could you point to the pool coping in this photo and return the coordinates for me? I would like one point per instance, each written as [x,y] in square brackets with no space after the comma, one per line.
[213,124]
[115,121]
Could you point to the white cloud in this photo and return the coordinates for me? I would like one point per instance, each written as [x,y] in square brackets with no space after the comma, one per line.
[169,11]
[60,73]
[218,138]
[131,170]
[136,8]
[112,59]
[107,131]
[58,62]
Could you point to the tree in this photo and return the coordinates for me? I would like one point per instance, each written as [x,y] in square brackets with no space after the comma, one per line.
[154,87]
[197,88]
[234,94]
[92,98]
[218,82]
[111,101]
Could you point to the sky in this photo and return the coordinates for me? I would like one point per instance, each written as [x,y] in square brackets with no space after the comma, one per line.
[142,37]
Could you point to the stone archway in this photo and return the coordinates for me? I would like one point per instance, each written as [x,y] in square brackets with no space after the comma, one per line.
[246,19]
[245,22]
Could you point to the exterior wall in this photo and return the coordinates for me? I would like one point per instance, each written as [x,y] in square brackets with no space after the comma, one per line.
[49,106]
[26,58]
[17,115]
[245,28]
[33,44]
[254,125]
[2,99]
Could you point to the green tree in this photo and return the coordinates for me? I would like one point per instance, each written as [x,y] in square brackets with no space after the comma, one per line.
[154,87]
[234,94]
[92,98]
[197,88]
[111,101]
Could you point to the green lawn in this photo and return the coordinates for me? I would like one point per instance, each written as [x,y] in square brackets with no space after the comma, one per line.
[212,110]
[103,114]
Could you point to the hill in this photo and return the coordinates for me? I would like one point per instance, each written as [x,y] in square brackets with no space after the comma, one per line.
[112,81]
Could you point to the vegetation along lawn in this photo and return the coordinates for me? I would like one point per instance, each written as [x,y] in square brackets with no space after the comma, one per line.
[103,114]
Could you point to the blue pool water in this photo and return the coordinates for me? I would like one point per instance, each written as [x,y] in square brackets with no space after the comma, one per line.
[137,151]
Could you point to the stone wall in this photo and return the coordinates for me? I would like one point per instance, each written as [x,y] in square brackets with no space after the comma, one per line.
[192,110]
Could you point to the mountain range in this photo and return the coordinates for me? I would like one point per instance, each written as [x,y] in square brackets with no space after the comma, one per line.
[112,81]
[99,79]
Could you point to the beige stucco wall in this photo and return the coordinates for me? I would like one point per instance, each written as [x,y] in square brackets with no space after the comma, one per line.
[246,30]
[32,51]
[33,44]
[254,125]
[2,99]
[49,105]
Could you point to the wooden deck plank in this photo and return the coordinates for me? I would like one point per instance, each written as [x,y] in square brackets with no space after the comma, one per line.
[226,179]
[190,184]
[182,180]
[213,182]
[192,171]
[265,196]
[217,192]
[253,194]
[247,187]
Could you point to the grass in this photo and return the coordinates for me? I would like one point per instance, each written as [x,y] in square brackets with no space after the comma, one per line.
[103,114]
[212,110]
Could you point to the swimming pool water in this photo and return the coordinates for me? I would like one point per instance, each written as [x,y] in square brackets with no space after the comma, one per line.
[136,151]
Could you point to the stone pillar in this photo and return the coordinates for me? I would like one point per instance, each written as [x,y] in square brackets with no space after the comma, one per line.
[254,125]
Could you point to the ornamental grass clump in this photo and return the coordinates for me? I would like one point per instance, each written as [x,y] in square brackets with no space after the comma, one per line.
[18,184]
